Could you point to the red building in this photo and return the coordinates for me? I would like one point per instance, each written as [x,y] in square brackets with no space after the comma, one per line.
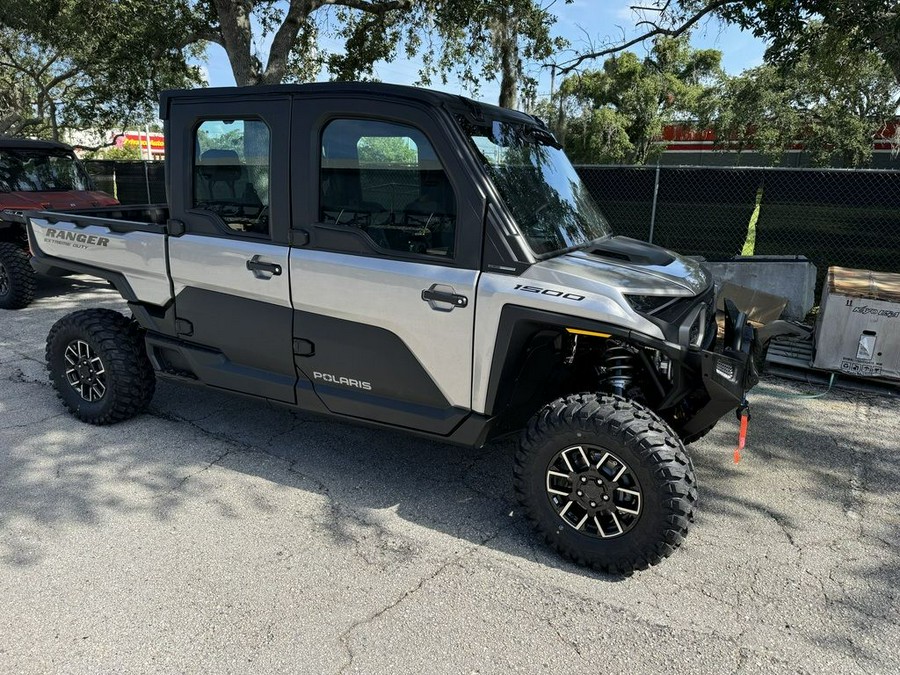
[138,139]
[699,147]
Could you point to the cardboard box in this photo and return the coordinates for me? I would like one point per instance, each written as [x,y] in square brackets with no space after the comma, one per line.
[761,307]
[858,331]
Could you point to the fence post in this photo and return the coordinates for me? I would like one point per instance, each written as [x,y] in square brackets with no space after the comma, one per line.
[147,179]
[653,210]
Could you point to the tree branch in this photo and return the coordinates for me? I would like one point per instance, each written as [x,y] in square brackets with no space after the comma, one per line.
[201,36]
[95,148]
[16,124]
[371,7]
[62,77]
[656,30]
[286,37]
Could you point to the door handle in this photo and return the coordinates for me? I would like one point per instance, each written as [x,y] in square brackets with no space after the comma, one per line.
[256,265]
[431,295]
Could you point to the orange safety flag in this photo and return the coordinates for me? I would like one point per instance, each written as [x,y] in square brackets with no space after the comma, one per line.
[742,436]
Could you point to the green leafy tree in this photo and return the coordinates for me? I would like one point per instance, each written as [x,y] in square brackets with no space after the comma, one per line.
[620,111]
[517,32]
[125,51]
[794,28]
[593,135]
[73,64]
[233,139]
[833,100]
[129,150]
[474,39]
[867,25]
[387,150]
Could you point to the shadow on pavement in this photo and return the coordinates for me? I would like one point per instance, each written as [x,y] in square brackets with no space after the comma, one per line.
[66,472]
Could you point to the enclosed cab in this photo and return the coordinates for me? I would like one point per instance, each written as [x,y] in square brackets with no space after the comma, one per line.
[414,260]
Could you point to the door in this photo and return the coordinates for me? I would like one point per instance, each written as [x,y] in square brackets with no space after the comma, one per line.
[383,285]
[230,269]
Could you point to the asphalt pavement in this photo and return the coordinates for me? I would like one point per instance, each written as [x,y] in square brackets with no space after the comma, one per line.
[219,534]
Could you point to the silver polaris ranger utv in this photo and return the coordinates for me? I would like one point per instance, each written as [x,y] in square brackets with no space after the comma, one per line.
[415,260]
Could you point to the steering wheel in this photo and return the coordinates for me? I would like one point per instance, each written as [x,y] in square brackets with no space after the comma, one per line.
[541,208]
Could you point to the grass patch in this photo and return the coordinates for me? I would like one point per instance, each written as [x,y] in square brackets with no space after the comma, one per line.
[750,242]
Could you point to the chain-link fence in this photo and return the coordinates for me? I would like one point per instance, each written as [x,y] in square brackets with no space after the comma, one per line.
[831,216]
[131,182]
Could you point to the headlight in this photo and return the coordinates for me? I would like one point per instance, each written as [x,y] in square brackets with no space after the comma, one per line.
[647,304]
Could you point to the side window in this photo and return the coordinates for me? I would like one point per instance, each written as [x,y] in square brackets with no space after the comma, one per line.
[231,173]
[386,179]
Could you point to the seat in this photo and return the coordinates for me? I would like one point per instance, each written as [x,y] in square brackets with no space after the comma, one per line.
[220,167]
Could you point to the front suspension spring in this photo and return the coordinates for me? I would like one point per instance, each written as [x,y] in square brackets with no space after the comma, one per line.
[618,368]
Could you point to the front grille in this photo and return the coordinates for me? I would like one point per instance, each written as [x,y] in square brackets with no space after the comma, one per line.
[725,369]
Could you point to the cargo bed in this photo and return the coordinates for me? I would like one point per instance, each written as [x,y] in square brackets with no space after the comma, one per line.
[125,245]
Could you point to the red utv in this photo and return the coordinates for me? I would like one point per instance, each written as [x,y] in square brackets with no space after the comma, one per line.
[35,175]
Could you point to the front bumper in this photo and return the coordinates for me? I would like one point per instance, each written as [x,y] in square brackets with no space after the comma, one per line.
[727,375]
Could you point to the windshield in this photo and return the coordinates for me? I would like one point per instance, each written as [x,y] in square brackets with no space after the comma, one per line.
[546,197]
[41,171]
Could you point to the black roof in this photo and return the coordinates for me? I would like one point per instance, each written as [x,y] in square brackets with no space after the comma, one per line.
[29,144]
[378,89]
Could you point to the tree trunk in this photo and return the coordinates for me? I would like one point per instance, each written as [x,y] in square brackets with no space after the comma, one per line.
[561,121]
[890,51]
[507,44]
[285,38]
[54,123]
[237,38]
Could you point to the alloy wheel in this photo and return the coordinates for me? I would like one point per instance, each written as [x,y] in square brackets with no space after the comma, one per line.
[85,371]
[594,491]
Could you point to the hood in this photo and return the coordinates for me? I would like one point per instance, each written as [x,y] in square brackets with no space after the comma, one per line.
[54,200]
[631,266]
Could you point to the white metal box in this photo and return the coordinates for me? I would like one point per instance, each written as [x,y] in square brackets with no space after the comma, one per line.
[858,331]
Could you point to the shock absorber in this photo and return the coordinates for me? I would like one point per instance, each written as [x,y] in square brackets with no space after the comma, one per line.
[618,368]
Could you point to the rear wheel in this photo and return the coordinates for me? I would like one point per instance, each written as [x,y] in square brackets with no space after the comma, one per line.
[606,482]
[17,279]
[99,367]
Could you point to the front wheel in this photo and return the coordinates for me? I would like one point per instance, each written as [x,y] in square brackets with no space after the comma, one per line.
[99,367]
[17,279]
[606,482]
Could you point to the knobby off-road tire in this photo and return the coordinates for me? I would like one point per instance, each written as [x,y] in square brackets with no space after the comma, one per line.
[652,497]
[99,367]
[17,279]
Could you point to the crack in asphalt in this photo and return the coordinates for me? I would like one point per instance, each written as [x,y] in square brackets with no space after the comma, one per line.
[344,639]
[29,425]
[343,511]
[186,478]
[782,523]
[237,446]
[572,643]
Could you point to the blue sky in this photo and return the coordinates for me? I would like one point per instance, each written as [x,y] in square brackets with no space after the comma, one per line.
[584,20]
